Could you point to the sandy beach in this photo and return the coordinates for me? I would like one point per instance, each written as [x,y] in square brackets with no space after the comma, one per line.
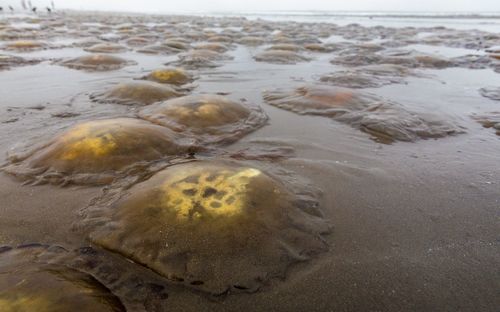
[387,136]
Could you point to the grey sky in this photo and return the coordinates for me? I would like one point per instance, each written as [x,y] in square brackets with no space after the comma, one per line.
[163,6]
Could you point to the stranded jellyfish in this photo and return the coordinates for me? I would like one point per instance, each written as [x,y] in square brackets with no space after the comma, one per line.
[137,93]
[97,62]
[370,76]
[213,46]
[286,47]
[8,61]
[386,121]
[412,59]
[97,151]
[200,59]
[106,48]
[280,57]
[210,118]
[252,41]
[491,93]
[25,45]
[29,284]
[212,225]
[491,120]
[174,76]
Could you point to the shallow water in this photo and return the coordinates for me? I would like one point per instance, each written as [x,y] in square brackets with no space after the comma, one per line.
[414,223]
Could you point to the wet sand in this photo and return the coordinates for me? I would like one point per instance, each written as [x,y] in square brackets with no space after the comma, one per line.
[415,224]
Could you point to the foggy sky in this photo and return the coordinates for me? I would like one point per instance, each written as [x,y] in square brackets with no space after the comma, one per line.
[166,6]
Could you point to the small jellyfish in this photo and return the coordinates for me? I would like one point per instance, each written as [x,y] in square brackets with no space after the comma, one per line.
[169,75]
[217,47]
[200,59]
[320,48]
[157,49]
[252,41]
[97,62]
[96,152]
[25,45]
[28,285]
[491,120]
[138,41]
[384,120]
[280,57]
[370,76]
[209,118]
[106,48]
[285,47]
[215,226]
[8,61]
[176,45]
[137,93]
[224,39]
[491,93]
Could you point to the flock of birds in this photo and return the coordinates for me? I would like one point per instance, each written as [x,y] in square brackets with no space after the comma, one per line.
[30,7]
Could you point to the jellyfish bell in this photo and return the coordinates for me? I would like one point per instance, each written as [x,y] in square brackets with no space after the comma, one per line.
[30,285]
[106,48]
[280,57]
[213,46]
[384,120]
[210,118]
[8,61]
[97,62]
[200,58]
[490,120]
[96,152]
[137,93]
[25,45]
[174,76]
[211,225]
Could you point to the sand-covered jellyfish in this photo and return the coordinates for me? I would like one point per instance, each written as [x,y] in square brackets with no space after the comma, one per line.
[106,48]
[8,61]
[220,38]
[320,47]
[97,62]
[280,57]
[370,76]
[137,93]
[176,45]
[201,58]
[491,120]
[406,58]
[252,41]
[386,121]
[170,75]
[286,47]
[413,58]
[24,45]
[491,93]
[212,46]
[156,49]
[216,226]
[209,118]
[30,285]
[97,152]
[138,41]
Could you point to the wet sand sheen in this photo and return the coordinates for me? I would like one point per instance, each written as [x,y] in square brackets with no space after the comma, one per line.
[413,223]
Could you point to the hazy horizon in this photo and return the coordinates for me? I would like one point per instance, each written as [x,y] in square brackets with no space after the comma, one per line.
[158,6]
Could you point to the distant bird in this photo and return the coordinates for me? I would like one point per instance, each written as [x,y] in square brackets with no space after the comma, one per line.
[49,10]
[1,9]
[11,8]
[34,9]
